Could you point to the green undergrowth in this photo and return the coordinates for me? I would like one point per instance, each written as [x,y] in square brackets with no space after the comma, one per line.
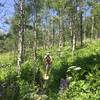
[7,58]
[84,70]
[85,82]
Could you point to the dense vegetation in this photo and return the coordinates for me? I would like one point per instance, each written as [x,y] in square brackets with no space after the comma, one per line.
[69,30]
[30,85]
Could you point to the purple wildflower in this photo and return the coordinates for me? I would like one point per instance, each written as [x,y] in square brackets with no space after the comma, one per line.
[0,94]
[63,84]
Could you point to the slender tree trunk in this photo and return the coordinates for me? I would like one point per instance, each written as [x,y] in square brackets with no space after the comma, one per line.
[59,32]
[60,42]
[53,33]
[20,36]
[63,35]
[50,37]
[85,26]
[73,38]
[81,28]
[92,29]
[35,32]
[74,31]
[73,44]
[59,35]
[71,34]
[35,45]
[44,40]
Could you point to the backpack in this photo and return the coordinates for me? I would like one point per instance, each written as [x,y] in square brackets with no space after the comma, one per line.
[48,60]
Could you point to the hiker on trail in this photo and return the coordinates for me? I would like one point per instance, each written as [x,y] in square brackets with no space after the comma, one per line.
[47,62]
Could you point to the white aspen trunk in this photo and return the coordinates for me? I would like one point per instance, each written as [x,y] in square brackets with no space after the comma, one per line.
[19,60]
[73,44]
[73,39]
[71,34]
[60,30]
[81,28]
[35,46]
[20,36]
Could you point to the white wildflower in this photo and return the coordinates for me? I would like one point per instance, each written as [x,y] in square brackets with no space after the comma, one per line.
[72,67]
[78,68]
[68,70]
[69,78]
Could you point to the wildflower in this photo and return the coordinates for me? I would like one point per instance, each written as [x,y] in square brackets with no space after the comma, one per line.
[72,67]
[77,68]
[68,70]
[63,83]
[0,94]
[69,78]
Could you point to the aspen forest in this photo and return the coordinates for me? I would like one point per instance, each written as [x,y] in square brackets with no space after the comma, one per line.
[67,31]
